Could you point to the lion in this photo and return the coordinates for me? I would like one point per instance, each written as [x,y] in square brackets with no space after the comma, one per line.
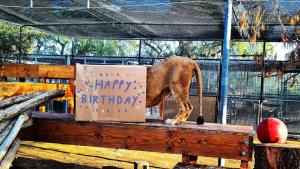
[173,76]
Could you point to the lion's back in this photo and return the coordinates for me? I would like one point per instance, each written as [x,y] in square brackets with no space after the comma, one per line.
[172,69]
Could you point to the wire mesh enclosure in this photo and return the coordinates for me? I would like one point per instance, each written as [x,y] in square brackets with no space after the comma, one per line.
[166,19]
[253,92]
[251,95]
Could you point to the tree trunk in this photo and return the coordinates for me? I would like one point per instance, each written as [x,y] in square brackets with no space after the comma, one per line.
[4,124]
[12,134]
[277,156]
[10,156]
[17,99]
[6,131]
[27,105]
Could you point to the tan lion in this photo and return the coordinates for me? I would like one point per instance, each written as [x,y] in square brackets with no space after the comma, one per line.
[173,76]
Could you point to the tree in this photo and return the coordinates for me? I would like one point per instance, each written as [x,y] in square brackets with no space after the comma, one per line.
[92,47]
[191,49]
[10,39]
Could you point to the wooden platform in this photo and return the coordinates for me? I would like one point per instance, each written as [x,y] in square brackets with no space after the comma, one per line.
[212,140]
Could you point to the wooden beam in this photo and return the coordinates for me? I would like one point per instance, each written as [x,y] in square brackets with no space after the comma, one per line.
[212,140]
[9,89]
[38,71]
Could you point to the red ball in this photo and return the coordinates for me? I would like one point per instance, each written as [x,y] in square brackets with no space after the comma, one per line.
[272,130]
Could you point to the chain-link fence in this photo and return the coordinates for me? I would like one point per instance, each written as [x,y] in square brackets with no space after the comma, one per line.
[251,96]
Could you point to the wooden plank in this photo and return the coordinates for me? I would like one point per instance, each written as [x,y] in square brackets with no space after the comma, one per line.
[211,140]
[23,71]
[42,106]
[57,71]
[38,71]
[9,89]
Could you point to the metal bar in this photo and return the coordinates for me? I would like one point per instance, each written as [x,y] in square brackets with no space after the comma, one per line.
[88,4]
[31,3]
[262,80]
[126,23]
[143,23]
[140,50]
[219,89]
[225,62]
[225,66]
[21,43]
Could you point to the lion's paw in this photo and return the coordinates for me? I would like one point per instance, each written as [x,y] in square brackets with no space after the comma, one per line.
[171,121]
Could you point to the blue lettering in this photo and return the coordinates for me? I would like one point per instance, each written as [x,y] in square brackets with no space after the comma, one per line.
[115,83]
[119,100]
[121,83]
[99,84]
[102,99]
[95,99]
[127,87]
[127,101]
[134,100]
[107,85]
[83,98]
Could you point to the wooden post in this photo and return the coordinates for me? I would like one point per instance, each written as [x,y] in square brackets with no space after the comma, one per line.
[2,77]
[277,156]
[71,103]
[141,165]
[189,159]
[42,106]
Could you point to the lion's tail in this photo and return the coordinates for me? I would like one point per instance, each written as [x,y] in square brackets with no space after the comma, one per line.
[197,71]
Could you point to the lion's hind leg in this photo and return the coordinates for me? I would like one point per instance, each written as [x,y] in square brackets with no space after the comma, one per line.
[184,107]
[189,110]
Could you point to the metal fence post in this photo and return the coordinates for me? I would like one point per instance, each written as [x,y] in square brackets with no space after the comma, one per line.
[262,80]
[225,65]
[21,42]
[140,50]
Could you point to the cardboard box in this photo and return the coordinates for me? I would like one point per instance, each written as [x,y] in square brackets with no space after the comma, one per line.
[110,93]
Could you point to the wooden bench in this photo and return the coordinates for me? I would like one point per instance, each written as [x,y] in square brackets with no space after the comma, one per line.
[190,140]
[42,73]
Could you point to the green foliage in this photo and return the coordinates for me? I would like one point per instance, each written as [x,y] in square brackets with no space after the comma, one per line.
[10,38]
[246,49]
[193,49]
[91,47]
